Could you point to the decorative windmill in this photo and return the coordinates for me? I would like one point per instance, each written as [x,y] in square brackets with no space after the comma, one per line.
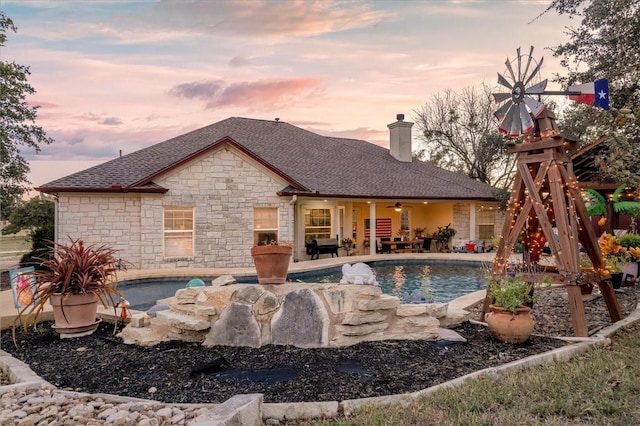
[545,193]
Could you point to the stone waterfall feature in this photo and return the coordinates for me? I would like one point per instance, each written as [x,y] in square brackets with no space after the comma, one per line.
[296,314]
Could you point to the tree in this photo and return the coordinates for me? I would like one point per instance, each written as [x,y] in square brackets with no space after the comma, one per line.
[17,127]
[576,123]
[607,45]
[461,135]
[37,217]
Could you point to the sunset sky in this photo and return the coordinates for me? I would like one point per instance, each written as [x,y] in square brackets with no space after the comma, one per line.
[115,76]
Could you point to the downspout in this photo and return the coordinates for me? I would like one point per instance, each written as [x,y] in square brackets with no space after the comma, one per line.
[292,225]
[56,221]
[372,228]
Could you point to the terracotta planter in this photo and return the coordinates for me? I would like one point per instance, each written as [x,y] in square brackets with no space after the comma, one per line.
[74,313]
[272,263]
[586,288]
[510,328]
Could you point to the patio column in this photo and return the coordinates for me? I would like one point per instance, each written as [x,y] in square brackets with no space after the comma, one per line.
[472,221]
[372,228]
[292,229]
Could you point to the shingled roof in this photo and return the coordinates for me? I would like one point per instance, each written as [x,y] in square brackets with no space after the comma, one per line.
[312,165]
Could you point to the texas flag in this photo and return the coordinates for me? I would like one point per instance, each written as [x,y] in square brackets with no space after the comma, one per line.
[596,93]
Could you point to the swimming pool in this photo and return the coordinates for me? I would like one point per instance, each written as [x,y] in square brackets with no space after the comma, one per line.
[445,280]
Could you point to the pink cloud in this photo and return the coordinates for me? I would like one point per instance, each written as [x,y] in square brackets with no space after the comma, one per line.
[43,104]
[263,18]
[100,118]
[248,94]
[204,90]
[306,123]
[377,137]
[239,61]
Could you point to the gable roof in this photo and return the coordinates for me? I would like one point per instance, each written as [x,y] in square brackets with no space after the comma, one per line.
[312,165]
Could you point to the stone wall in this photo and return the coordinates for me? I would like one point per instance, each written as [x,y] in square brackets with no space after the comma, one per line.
[223,187]
[301,315]
[461,220]
[112,220]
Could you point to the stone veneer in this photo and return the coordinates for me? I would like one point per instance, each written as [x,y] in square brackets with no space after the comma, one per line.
[223,187]
[302,315]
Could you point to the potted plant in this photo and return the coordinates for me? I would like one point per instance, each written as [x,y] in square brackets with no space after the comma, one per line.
[272,261]
[615,263]
[615,256]
[418,232]
[632,243]
[73,278]
[509,318]
[443,236]
[347,245]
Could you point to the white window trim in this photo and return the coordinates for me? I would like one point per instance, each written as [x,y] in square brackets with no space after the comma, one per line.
[275,230]
[165,232]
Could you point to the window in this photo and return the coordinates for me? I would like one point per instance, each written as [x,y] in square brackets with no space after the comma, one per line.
[486,220]
[178,231]
[404,220]
[317,224]
[265,225]
[354,224]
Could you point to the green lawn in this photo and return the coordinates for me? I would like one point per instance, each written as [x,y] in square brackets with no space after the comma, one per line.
[600,387]
[13,246]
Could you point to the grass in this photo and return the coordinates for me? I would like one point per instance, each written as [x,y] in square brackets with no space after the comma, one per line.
[13,246]
[600,387]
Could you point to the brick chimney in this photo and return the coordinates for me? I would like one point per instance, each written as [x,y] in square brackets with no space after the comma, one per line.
[400,139]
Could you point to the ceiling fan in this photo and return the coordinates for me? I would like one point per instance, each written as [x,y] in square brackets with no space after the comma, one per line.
[397,206]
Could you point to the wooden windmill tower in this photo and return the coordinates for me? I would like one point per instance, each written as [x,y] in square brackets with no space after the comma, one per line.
[545,203]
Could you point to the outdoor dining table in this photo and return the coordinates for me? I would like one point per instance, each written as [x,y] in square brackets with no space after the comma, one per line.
[405,245]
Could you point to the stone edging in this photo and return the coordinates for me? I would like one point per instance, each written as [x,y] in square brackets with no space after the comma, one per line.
[25,379]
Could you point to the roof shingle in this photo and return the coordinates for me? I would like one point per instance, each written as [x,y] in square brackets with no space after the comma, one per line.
[323,165]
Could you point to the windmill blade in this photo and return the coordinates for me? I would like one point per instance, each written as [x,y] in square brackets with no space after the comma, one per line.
[537,89]
[516,125]
[528,63]
[519,64]
[502,111]
[505,125]
[534,106]
[534,72]
[501,97]
[525,119]
[508,64]
[503,81]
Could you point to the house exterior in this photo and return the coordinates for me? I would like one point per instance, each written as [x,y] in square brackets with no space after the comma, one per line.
[203,199]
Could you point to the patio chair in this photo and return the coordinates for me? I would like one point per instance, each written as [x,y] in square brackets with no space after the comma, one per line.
[426,244]
[385,248]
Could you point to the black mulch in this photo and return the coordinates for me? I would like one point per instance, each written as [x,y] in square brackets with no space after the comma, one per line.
[100,363]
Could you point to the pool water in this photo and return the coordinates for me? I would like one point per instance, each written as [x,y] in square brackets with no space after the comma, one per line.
[445,281]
